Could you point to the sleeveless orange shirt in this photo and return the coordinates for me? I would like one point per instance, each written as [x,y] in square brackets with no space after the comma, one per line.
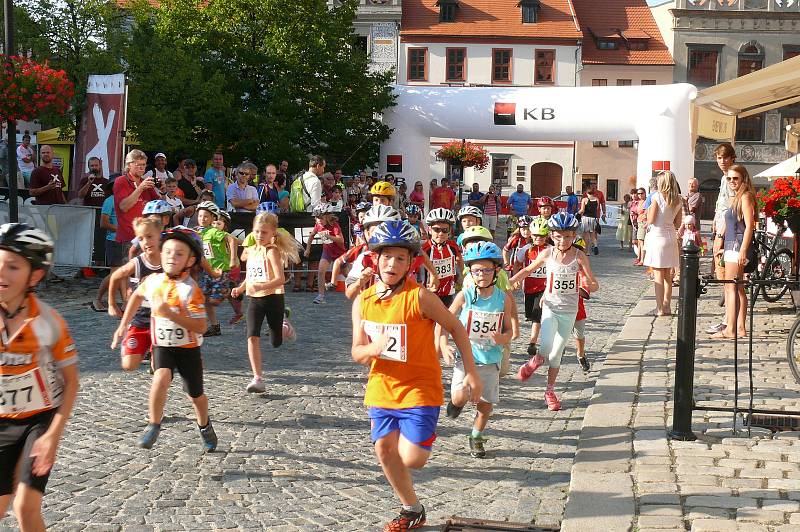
[408,374]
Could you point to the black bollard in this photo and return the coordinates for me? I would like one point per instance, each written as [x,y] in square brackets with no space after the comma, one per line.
[684,352]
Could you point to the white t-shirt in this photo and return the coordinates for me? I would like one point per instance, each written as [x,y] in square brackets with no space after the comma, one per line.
[314,188]
[161,176]
[23,152]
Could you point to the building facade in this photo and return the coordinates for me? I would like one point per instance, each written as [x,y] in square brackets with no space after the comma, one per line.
[377,27]
[622,46]
[716,41]
[473,43]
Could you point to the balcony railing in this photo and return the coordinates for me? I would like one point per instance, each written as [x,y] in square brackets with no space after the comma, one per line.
[741,5]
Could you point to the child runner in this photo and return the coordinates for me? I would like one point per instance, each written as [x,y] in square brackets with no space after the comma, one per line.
[357,234]
[224,223]
[485,311]
[579,330]
[443,253]
[414,217]
[362,272]
[38,371]
[178,319]
[545,205]
[328,230]
[383,193]
[470,216]
[518,239]
[159,210]
[264,286]
[137,343]
[534,283]
[393,333]
[220,251]
[563,264]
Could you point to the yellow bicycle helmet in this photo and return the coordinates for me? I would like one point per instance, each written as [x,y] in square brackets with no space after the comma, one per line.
[383,188]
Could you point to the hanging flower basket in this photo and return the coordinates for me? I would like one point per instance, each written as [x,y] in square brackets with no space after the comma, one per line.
[782,202]
[29,90]
[465,154]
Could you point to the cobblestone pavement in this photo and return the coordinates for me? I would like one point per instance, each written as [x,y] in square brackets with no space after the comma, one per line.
[299,456]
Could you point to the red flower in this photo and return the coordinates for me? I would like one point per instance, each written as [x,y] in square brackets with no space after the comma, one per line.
[29,89]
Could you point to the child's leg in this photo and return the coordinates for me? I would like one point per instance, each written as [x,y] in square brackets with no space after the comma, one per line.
[134,346]
[557,341]
[158,393]
[190,366]
[131,362]
[200,405]
[274,312]
[310,276]
[579,333]
[28,508]
[336,269]
[255,319]
[535,329]
[254,353]
[482,417]
[211,310]
[387,449]
[323,269]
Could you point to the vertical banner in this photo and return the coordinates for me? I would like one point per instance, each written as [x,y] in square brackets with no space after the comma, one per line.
[101,126]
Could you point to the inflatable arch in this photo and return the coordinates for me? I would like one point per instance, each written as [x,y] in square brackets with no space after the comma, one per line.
[657,115]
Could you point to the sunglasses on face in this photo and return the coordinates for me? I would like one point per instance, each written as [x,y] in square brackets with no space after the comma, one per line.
[440,229]
[733,178]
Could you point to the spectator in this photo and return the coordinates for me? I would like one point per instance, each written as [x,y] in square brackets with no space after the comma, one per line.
[354,190]
[283,195]
[215,180]
[520,202]
[47,181]
[475,197]
[25,159]
[311,183]
[661,243]
[402,197]
[694,200]
[573,204]
[735,228]
[266,189]
[131,192]
[159,172]
[597,194]
[491,208]
[241,195]
[591,212]
[431,187]
[443,196]
[92,189]
[284,167]
[327,186]
[113,256]
[189,185]
[417,196]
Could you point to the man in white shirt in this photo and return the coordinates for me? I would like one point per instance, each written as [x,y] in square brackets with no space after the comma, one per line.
[159,171]
[25,159]
[312,185]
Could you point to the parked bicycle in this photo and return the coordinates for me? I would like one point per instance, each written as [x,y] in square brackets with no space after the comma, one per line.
[774,263]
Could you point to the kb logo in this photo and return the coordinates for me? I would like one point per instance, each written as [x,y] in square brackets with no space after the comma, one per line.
[505,114]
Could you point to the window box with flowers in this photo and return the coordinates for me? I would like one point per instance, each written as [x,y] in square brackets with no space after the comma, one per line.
[464,154]
[29,90]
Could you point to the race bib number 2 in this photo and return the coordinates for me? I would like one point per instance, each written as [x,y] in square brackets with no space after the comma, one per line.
[396,345]
[24,393]
[483,325]
[207,251]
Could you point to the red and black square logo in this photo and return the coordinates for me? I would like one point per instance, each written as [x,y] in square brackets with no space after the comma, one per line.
[394,163]
[505,114]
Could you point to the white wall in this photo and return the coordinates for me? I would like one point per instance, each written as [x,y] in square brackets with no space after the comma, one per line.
[479,63]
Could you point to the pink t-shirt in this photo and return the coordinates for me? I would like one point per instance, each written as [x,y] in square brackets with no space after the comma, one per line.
[416,197]
[329,248]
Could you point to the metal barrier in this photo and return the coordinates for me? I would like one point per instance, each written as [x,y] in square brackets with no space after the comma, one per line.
[691,287]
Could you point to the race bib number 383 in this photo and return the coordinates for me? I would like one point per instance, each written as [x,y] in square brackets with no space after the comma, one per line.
[444,267]
[396,344]
[24,393]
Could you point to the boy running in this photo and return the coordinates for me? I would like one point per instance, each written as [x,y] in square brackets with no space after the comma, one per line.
[534,284]
[443,252]
[220,252]
[393,333]
[38,374]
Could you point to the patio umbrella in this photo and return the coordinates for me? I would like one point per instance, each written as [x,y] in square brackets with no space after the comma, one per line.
[788,168]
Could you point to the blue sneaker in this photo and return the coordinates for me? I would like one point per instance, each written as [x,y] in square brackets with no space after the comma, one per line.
[209,437]
[149,437]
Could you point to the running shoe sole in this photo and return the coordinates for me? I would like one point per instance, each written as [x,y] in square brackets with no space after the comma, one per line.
[149,437]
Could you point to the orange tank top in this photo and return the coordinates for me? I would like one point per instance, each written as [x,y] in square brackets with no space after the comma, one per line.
[408,373]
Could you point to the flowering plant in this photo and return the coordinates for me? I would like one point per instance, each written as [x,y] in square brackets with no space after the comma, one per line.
[29,89]
[464,154]
[782,201]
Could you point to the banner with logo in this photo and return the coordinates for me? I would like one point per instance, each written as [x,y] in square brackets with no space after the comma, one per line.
[101,127]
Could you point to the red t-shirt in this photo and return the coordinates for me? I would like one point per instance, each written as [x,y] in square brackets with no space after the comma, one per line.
[124,187]
[514,242]
[444,262]
[352,254]
[443,198]
[42,176]
[330,248]
[536,281]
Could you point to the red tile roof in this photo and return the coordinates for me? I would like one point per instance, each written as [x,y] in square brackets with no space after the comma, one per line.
[482,19]
[634,19]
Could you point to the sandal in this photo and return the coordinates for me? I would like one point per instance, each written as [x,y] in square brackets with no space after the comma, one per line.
[98,309]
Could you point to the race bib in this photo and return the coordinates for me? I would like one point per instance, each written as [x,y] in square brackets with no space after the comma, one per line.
[396,346]
[257,271]
[167,333]
[24,393]
[444,267]
[565,283]
[482,325]
[207,252]
[539,273]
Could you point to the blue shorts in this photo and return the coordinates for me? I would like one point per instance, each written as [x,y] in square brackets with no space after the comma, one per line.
[215,289]
[416,424]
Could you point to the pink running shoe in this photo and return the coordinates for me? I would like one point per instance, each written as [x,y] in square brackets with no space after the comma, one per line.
[552,400]
[529,368]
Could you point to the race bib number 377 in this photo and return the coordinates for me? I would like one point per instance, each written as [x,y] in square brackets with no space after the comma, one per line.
[23,393]
[396,344]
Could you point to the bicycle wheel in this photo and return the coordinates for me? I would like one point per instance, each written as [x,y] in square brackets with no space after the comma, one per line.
[778,267]
[793,349]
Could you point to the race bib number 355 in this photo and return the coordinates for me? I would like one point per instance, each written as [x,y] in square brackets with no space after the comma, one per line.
[565,283]
[396,345]
[483,325]
[24,393]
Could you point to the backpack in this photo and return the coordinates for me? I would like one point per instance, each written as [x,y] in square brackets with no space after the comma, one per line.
[297,195]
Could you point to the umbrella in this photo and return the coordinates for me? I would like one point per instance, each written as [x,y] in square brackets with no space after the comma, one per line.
[788,168]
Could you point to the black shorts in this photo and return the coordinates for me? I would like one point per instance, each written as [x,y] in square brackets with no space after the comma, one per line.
[270,307]
[16,441]
[533,308]
[447,300]
[189,363]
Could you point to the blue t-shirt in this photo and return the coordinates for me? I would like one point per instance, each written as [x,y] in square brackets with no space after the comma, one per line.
[649,200]
[483,317]
[475,196]
[218,187]
[572,203]
[519,202]
[108,209]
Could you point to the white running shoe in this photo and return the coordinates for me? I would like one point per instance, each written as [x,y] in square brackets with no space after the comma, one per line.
[256,386]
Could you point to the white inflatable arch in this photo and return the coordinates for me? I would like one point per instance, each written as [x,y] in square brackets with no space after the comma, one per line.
[657,115]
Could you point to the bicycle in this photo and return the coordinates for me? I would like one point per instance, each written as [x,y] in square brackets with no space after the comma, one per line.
[774,263]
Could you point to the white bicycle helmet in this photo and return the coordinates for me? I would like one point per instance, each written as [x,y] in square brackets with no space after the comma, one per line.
[469,210]
[321,209]
[440,215]
[378,214]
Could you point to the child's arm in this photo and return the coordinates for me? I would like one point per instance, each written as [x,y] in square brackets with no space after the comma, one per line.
[45,447]
[121,273]
[311,237]
[337,266]
[353,289]
[362,350]
[337,239]
[535,263]
[134,302]
[440,337]
[216,274]
[502,338]
[236,291]
[592,283]
[433,308]
[433,279]
[196,325]
[231,242]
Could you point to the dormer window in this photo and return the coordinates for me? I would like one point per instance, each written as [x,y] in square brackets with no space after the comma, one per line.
[447,10]
[606,44]
[530,11]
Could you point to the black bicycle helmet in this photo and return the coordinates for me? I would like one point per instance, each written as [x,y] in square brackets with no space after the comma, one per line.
[32,243]
[186,235]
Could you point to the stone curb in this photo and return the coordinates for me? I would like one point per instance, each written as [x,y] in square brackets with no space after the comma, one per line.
[601,485]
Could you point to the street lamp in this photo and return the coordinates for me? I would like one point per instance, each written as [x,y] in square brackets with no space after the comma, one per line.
[8,25]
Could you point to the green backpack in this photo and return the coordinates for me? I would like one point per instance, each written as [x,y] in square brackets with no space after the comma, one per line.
[297,195]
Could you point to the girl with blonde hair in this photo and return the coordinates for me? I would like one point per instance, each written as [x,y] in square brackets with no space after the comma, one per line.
[263,284]
[661,242]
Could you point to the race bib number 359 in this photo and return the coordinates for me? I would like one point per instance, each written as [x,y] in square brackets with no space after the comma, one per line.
[24,393]
[396,344]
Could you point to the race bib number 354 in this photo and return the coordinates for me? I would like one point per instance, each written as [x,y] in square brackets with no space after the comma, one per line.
[396,345]
[483,325]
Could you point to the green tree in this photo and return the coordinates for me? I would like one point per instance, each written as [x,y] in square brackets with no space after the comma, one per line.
[297,81]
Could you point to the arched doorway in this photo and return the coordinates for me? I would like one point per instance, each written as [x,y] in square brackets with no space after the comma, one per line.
[709,189]
[546,179]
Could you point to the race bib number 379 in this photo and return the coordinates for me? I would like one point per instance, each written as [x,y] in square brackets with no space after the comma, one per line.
[396,344]
[167,333]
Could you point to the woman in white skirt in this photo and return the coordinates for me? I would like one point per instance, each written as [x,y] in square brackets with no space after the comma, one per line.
[661,243]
